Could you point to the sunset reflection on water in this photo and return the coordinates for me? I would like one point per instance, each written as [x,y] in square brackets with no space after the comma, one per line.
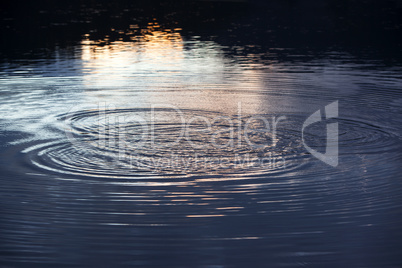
[191,73]
[175,143]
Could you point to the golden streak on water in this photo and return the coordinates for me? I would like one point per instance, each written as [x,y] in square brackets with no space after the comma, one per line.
[204,216]
[157,60]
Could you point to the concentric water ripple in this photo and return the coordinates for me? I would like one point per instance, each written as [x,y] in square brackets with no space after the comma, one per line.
[145,144]
[129,143]
[199,158]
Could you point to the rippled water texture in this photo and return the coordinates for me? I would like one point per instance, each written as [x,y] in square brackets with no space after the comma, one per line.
[174,151]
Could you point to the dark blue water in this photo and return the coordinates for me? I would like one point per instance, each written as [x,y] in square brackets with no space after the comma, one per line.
[175,146]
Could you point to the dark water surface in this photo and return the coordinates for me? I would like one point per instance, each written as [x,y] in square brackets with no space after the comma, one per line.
[146,141]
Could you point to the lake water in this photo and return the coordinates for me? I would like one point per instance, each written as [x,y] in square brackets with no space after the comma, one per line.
[157,147]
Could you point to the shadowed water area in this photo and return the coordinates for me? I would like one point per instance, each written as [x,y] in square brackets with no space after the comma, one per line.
[174,134]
